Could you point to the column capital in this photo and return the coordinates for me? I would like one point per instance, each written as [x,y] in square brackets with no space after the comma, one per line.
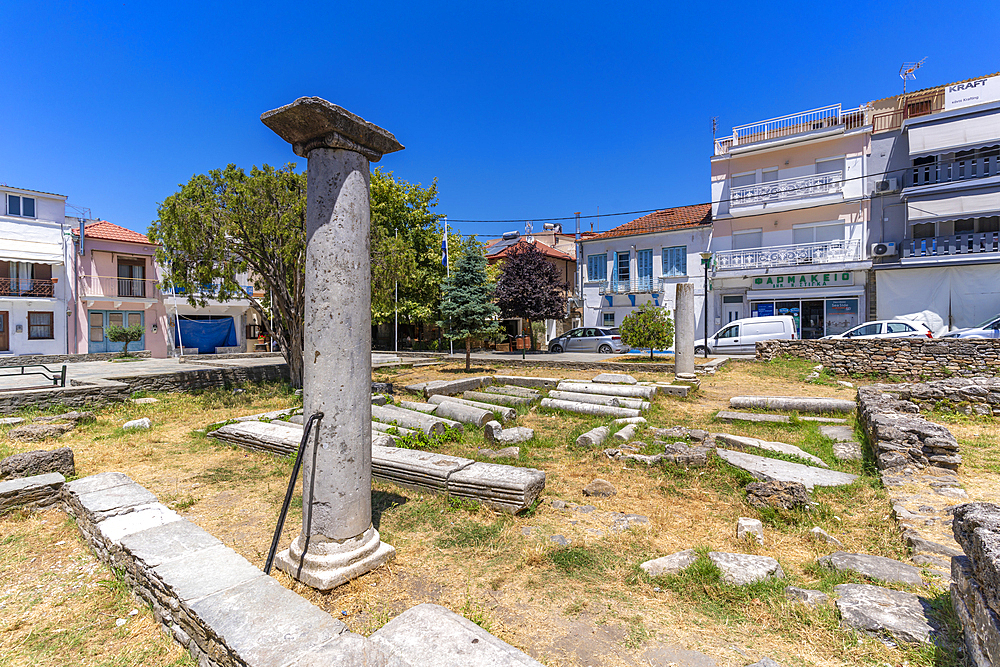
[312,122]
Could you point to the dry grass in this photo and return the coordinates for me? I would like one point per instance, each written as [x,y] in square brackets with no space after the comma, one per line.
[579,605]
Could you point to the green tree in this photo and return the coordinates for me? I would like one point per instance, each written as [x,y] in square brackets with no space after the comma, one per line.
[466,309]
[529,286]
[648,326]
[226,225]
[130,334]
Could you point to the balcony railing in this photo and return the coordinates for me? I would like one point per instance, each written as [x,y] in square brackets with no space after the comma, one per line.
[35,287]
[798,123]
[118,288]
[788,189]
[824,252]
[643,285]
[208,289]
[914,108]
[956,170]
[956,244]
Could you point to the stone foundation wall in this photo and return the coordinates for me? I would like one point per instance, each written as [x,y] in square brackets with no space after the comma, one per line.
[906,358]
[899,436]
[7,361]
[975,588]
[77,396]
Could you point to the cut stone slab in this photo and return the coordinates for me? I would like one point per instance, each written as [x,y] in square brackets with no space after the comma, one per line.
[511,390]
[515,435]
[681,390]
[429,635]
[452,387]
[838,433]
[201,574]
[137,424]
[744,443]
[144,518]
[11,421]
[789,403]
[115,500]
[505,453]
[758,417]
[36,432]
[525,381]
[594,437]
[38,462]
[600,488]
[766,469]
[35,491]
[492,431]
[675,656]
[777,494]
[807,596]
[264,623]
[588,408]
[747,528]
[876,567]
[414,469]
[98,482]
[671,564]
[73,417]
[166,542]
[743,569]
[822,536]
[847,451]
[281,438]
[628,391]
[614,378]
[874,610]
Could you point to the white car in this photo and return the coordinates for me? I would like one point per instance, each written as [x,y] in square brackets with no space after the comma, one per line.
[988,329]
[887,329]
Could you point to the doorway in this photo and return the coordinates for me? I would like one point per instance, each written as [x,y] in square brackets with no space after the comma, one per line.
[4,336]
[100,320]
[813,313]
[733,306]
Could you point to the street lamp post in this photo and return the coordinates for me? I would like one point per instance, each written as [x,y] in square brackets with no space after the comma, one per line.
[706,260]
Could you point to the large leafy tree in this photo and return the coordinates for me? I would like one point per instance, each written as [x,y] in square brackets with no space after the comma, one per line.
[227,224]
[648,326]
[529,286]
[466,309]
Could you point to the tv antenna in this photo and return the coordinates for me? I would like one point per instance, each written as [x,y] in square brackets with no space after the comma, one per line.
[715,126]
[909,71]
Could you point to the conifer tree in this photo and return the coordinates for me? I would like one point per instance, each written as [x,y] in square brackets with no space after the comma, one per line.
[466,306]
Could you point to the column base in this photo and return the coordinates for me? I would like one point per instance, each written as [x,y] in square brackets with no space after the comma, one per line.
[331,563]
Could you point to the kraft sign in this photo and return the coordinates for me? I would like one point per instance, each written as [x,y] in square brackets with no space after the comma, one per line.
[970,93]
[804,280]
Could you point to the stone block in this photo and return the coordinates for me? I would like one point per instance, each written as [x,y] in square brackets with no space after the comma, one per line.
[876,610]
[452,387]
[202,573]
[38,462]
[876,567]
[114,500]
[594,437]
[788,403]
[138,424]
[614,378]
[807,596]
[502,487]
[976,527]
[743,569]
[744,443]
[169,541]
[747,528]
[671,564]
[526,381]
[149,516]
[766,469]
[37,432]
[35,491]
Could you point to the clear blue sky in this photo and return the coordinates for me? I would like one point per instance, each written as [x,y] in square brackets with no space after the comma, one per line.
[521,110]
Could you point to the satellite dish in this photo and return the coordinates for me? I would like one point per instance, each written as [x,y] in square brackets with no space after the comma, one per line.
[530,239]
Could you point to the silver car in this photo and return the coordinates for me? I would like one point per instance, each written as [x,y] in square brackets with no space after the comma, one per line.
[588,339]
[988,329]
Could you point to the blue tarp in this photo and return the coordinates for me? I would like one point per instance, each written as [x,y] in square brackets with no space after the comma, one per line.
[206,335]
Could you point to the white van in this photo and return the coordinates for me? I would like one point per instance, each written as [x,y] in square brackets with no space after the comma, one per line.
[741,336]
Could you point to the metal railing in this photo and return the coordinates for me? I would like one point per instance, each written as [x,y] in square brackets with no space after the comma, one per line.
[36,287]
[208,289]
[118,288]
[644,285]
[56,377]
[788,189]
[792,124]
[956,244]
[824,252]
[956,170]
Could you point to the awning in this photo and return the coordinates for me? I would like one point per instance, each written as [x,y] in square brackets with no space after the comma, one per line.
[803,294]
[35,252]
[955,208]
[944,137]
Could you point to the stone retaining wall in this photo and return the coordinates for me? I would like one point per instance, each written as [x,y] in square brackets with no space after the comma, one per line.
[7,361]
[975,588]
[76,396]
[906,358]
[899,436]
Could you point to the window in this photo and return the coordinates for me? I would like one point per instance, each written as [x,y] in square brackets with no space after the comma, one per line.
[591,333]
[750,238]
[644,269]
[730,332]
[675,261]
[609,319]
[22,206]
[899,327]
[742,180]
[40,326]
[733,299]
[131,277]
[867,330]
[827,166]
[97,327]
[769,175]
[818,233]
[597,267]
[923,231]
[621,270]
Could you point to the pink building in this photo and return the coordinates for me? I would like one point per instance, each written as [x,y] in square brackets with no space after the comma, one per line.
[116,284]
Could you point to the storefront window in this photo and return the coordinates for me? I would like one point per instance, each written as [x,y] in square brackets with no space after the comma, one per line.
[841,315]
[789,308]
[813,319]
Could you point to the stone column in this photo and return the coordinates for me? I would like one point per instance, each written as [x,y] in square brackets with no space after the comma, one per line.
[684,332]
[338,539]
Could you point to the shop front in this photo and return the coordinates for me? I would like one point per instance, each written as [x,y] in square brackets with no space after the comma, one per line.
[822,304]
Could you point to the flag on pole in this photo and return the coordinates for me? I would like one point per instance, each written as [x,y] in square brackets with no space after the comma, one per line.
[444,246]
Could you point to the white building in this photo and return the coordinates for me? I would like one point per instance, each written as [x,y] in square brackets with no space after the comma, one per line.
[35,293]
[643,261]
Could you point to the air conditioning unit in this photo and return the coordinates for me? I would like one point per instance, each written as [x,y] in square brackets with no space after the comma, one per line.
[883,250]
[888,185]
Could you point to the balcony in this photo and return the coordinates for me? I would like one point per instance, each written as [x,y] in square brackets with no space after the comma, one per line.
[27,287]
[799,123]
[824,252]
[950,246]
[102,287]
[643,285]
[788,189]
[206,290]
[956,170]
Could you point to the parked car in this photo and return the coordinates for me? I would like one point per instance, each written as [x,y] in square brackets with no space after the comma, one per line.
[588,339]
[988,329]
[887,329]
[741,336]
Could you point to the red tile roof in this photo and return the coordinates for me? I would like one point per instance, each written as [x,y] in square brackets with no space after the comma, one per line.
[109,231]
[668,219]
[548,251]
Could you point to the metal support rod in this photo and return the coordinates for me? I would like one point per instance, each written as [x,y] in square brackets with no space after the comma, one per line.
[291,489]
